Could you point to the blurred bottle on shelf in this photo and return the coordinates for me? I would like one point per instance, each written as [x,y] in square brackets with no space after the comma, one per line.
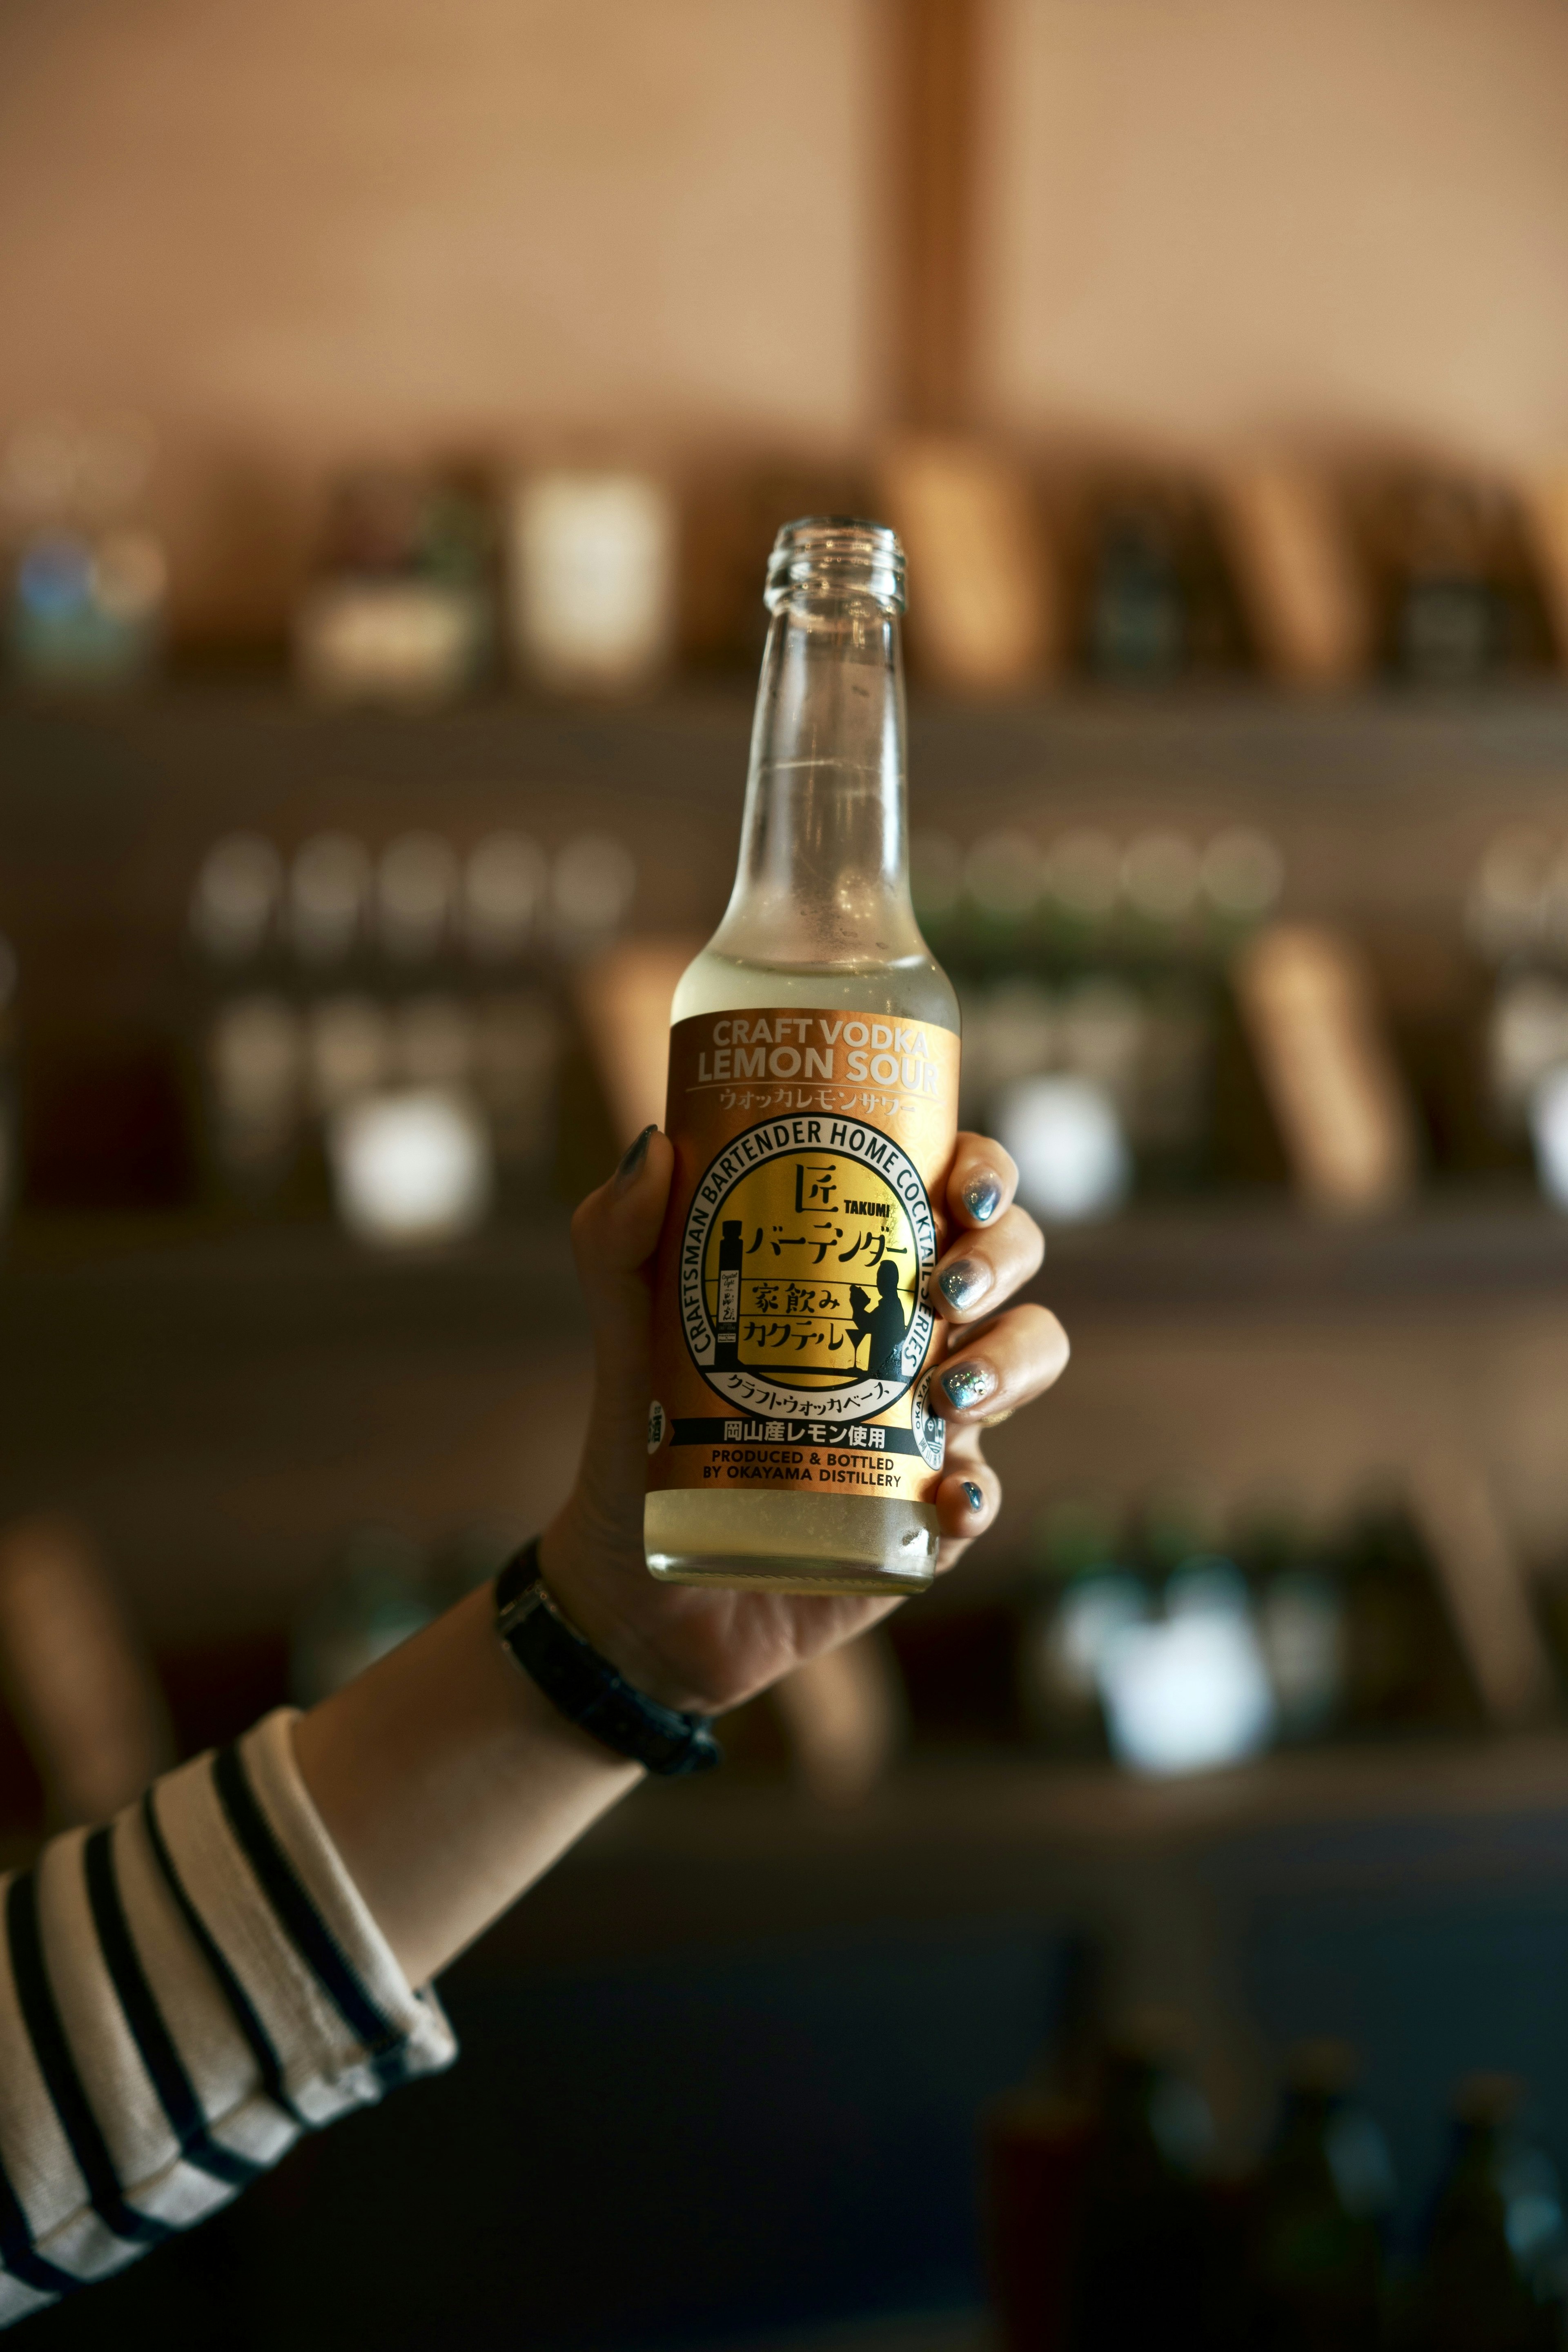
[1305,596]
[1137,623]
[1158,599]
[1081,1595]
[429,1114]
[328,905]
[1321,2209]
[1140,2272]
[1463,606]
[1186,1688]
[594,585]
[1171,1650]
[378,1592]
[1311,1009]
[88,579]
[593,884]
[518,1036]
[1098,2218]
[401,607]
[389,1028]
[394,1040]
[1094,981]
[1298,1605]
[346,1018]
[990,620]
[1036,2145]
[501,899]
[1482,1585]
[1403,1664]
[1142,1644]
[411,1167]
[1516,922]
[1494,2264]
[251,1055]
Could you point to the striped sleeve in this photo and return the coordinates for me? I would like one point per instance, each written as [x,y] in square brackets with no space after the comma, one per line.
[182,1994]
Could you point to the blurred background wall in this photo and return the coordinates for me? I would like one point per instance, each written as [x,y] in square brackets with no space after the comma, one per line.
[298,235]
[1217,219]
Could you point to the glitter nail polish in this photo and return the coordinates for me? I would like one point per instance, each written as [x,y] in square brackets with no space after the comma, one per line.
[975,1496]
[983,1198]
[968,1384]
[964,1281]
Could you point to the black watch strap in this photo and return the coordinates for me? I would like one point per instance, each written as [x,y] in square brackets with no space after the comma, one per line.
[584,1688]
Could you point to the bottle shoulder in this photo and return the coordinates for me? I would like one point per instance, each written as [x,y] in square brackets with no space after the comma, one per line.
[915,987]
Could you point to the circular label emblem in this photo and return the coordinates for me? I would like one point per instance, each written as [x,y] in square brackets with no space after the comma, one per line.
[802,1270]
[929,1428]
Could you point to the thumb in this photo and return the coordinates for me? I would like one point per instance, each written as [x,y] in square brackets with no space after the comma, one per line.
[616,1231]
[613,1234]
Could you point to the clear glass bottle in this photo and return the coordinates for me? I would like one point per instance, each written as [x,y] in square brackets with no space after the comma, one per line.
[820,917]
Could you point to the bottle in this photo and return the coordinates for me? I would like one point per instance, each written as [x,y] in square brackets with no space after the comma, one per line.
[1083,1599]
[1495,2259]
[812,1088]
[1038,2141]
[251,1052]
[1324,2196]
[1403,1663]
[1298,1601]
[1141,2271]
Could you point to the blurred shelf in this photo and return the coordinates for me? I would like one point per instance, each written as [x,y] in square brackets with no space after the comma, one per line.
[143,779]
[1223,1253]
[1260,1253]
[961,1837]
[303,1256]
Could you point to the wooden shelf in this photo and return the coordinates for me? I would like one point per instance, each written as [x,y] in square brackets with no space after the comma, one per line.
[956,1837]
[1261,1254]
[1224,1252]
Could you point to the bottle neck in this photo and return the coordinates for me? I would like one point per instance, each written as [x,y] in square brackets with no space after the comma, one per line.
[823,873]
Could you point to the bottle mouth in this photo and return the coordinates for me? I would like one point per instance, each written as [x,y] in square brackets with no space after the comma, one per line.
[836,555]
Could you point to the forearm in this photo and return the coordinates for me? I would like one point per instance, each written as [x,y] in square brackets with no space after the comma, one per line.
[449,1784]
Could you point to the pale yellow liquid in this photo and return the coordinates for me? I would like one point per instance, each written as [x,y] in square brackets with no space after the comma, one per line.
[794,1542]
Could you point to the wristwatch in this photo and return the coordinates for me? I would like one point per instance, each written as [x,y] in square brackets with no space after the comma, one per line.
[584,1688]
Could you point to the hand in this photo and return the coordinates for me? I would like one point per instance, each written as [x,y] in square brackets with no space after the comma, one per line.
[706,1649]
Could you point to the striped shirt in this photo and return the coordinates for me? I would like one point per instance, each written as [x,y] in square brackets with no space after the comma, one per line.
[182,1994]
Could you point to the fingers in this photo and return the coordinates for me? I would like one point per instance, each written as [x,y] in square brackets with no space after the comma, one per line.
[616,1229]
[1000,1367]
[968,1499]
[981,1183]
[985,1266]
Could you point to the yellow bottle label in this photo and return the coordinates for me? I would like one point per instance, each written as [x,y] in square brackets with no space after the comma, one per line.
[792,1328]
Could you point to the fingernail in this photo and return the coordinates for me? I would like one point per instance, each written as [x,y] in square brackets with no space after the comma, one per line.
[975,1496]
[983,1198]
[632,1159]
[968,1384]
[964,1281]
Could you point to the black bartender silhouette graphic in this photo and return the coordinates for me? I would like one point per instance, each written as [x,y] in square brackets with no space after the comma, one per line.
[884,1325]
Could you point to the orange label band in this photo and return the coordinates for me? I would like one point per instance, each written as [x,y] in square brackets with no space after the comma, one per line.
[792,1323]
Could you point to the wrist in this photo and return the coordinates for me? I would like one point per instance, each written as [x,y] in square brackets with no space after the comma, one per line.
[587,1688]
[601,1581]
